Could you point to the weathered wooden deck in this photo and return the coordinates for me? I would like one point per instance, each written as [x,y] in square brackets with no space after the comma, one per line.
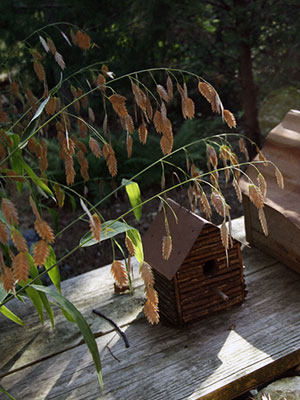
[216,358]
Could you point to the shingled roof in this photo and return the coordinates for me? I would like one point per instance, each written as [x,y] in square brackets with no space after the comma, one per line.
[183,233]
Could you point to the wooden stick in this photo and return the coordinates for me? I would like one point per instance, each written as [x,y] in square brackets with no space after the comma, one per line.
[119,330]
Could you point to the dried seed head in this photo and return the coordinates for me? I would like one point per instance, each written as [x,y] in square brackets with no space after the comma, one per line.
[224,235]
[118,103]
[242,145]
[229,119]
[110,159]
[255,196]
[166,247]
[44,230]
[101,80]
[206,206]
[170,88]
[21,266]
[10,212]
[151,295]
[91,115]
[190,108]
[129,143]
[279,178]
[18,240]
[95,227]
[40,253]
[60,195]
[39,70]
[7,279]
[140,97]
[69,170]
[4,235]
[219,203]
[262,184]
[143,133]
[51,46]
[95,148]
[262,157]
[166,144]
[146,274]
[162,93]
[119,273]
[212,155]
[237,190]
[151,312]
[83,40]
[263,221]
[130,246]
[207,91]
[158,122]
[214,178]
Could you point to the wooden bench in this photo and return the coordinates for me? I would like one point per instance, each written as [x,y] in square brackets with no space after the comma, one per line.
[216,358]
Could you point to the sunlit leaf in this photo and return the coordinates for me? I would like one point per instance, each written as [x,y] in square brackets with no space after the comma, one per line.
[134,195]
[136,239]
[9,314]
[109,230]
[53,273]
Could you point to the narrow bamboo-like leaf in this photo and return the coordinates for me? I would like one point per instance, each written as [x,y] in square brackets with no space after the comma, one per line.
[109,229]
[9,314]
[134,195]
[38,181]
[57,87]
[34,274]
[53,273]
[36,301]
[30,128]
[73,202]
[40,109]
[135,236]
[81,323]
[7,394]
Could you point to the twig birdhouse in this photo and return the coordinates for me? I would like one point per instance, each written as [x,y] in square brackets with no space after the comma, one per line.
[281,207]
[199,278]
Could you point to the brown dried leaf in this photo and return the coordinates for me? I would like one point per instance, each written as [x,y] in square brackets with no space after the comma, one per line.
[95,147]
[10,212]
[40,252]
[229,119]
[263,221]
[151,312]
[18,240]
[119,273]
[166,247]
[21,266]
[7,278]
[44,230]
[146,274]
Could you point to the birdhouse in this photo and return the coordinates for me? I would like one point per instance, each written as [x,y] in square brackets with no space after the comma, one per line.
[200,277]
[281,207]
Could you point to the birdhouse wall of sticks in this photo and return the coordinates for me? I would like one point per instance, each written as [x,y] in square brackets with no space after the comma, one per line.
[200,277]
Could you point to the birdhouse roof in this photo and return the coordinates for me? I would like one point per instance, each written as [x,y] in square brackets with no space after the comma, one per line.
[184,230]
[282,147]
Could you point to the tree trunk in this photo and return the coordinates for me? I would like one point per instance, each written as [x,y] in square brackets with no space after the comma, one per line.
[249,98]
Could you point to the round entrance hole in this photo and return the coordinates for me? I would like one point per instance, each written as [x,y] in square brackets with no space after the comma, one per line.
[210,267]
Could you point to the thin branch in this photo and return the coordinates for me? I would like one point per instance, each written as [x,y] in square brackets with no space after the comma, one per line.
[119,330]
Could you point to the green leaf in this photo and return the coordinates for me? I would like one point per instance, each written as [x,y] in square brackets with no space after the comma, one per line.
[36,301]
[34,273]
[134,195]
[7,394]
[40,109]
[53,273]
[57,87]
[136,239]
[109,229]
[9,314]
[81,323]
[73,202]
[44,188]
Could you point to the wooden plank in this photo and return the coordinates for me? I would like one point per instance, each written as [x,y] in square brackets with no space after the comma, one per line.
[91,290]
[201,361]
